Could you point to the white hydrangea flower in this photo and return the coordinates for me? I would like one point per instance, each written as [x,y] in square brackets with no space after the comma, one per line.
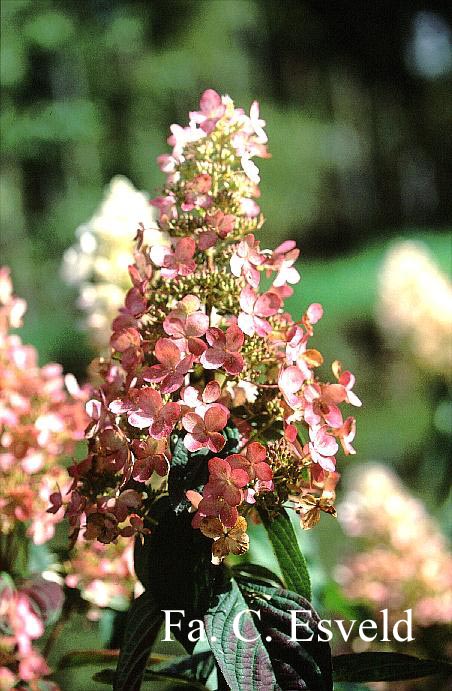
[98,261]
[415,303]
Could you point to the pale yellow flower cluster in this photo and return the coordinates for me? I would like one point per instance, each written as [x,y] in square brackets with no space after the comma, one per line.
[415,303]
[98,261]
[403,560]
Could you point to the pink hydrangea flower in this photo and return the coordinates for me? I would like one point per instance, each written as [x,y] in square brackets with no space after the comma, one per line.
[187,323]
[172,367]
[177,263]
[145,408]
[322,448]
[211,110]
[205,431]
[252,462]
[246,258]
[225,481]
[255,310]
[223,351]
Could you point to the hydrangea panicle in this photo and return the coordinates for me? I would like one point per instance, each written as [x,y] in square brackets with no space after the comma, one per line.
[200,352]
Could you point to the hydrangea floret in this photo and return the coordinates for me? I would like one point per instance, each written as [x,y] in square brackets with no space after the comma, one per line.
[204,357]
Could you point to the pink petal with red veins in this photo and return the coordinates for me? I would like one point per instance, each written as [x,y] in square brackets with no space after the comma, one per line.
[264,472]
[216,441]
[314,312]
[233,363]
[234,338]
[191,421]
[127,338]
[219,466]
[191,443]
[196,346]
[228,515]
[187,268]
[267,305]
[174,327]
[215,337]
[291,380]
[333,417]
[256,452]
[261,326]
[215,418]
[184,365]
[207,239]
[212,392]
[196,324]
[185,249]
[212,358]
[239,476]
[232,495]
[247,299]
[246,323]
[154,373]
[150,401]
[167,352]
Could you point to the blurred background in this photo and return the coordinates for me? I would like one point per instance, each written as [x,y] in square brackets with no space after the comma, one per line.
[355,95]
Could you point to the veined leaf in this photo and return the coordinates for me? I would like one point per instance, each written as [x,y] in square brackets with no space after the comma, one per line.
[196,667]
[143,623]
[256,572]
[385,667]
[181,574]
[290,559]
[284,617]
[246,666]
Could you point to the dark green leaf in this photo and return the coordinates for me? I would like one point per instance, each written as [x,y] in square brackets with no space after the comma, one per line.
[256,572]
[245,666]
[385,667]
[143,623]
[300,664]
[290,559]
[181,575]
[80,658]
[198,667]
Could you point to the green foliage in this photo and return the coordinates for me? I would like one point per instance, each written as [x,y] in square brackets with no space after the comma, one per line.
[143,624]
[385,667]
[290,559]
[245,667]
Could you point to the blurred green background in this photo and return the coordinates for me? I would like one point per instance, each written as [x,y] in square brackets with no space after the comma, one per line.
[355,96]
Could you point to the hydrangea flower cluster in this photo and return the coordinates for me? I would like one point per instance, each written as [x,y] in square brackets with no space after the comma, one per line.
[97,262]
[40,422]
[415,299]
[203,351]
[404,561]
[24,613]
[104,575]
